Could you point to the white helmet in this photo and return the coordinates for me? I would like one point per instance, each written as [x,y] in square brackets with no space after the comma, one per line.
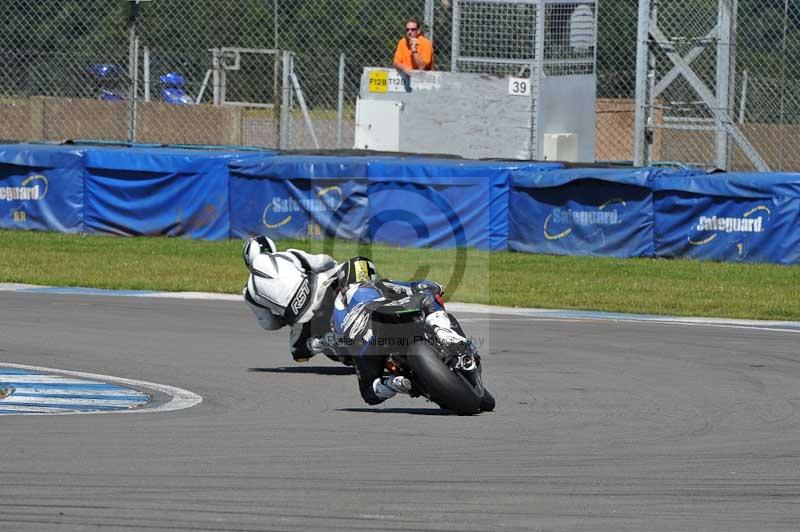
[255,246]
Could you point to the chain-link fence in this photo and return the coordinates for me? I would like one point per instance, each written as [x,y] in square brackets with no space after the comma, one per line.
[616,80]
[281,73]
[495,38]
[724,89]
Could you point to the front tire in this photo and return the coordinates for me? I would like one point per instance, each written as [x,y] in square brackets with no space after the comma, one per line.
[441,385]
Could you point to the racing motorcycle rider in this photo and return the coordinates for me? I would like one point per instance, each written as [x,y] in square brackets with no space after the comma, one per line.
[359,293]
[292,288]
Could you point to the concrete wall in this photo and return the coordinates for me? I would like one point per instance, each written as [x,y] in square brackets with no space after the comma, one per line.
[614,130]
[59,119]
[765,138]
[451,112]
[615,140]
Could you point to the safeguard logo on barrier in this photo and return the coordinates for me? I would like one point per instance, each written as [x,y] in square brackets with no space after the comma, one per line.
[733,229]
[562,222]
[32,188]
[280,210]
[582,217]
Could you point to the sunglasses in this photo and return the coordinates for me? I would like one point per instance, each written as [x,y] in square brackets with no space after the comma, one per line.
[412,29]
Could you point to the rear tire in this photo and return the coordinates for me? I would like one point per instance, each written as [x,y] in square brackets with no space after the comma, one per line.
[487,401]
[443,387]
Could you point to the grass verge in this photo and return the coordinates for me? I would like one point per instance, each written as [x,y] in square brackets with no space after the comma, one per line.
[652,286]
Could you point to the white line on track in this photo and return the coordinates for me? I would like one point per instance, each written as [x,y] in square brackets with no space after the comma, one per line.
[790,328]
[40,390]
[21,398]
[32,411]
[524,313]
[180,399]
[45,379]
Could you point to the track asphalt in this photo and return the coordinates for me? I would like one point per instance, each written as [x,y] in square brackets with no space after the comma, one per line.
[603,423]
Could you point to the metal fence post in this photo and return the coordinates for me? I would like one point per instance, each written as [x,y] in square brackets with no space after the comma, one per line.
[216,77]
[133,66]
[146,81]
[340,103]
[134,96]
[537,72]
[649,118]
[455,45]
[642,59]
[782,120]
[428,18]
[726,27]
[286,65]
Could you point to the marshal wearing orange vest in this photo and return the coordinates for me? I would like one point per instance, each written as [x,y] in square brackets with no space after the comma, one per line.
[414,52]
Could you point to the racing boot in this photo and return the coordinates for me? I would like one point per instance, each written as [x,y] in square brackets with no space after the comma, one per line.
[327,345]
[388,387]
[442,328]
[316,345]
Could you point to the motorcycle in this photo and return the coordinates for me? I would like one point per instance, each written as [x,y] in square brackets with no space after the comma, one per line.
[448,375]
[391,318]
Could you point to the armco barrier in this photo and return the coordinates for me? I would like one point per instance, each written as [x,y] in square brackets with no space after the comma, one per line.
[408,201]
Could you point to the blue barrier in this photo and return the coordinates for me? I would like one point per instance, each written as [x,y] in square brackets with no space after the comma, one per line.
[116,190]
[442,203]
[169,192]
[728,217]
[408,201]
[292,196]
[582,211]
[41,188]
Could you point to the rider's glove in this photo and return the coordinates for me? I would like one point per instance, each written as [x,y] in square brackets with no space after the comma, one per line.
[429,286]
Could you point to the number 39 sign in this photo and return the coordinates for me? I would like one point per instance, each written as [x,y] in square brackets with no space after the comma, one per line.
[519,86]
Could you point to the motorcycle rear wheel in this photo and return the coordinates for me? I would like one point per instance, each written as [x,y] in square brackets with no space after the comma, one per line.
[441,385]
[487,401]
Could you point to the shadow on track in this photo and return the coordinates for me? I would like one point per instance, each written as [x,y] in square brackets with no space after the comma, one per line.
[410,411]
[308,370]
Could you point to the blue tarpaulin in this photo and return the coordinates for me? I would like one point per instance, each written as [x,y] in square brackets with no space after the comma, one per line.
[408,201]
[165,192]
[402,200]
[41,188]
[582,211]
[744,217]
[294,196]
[442,203]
